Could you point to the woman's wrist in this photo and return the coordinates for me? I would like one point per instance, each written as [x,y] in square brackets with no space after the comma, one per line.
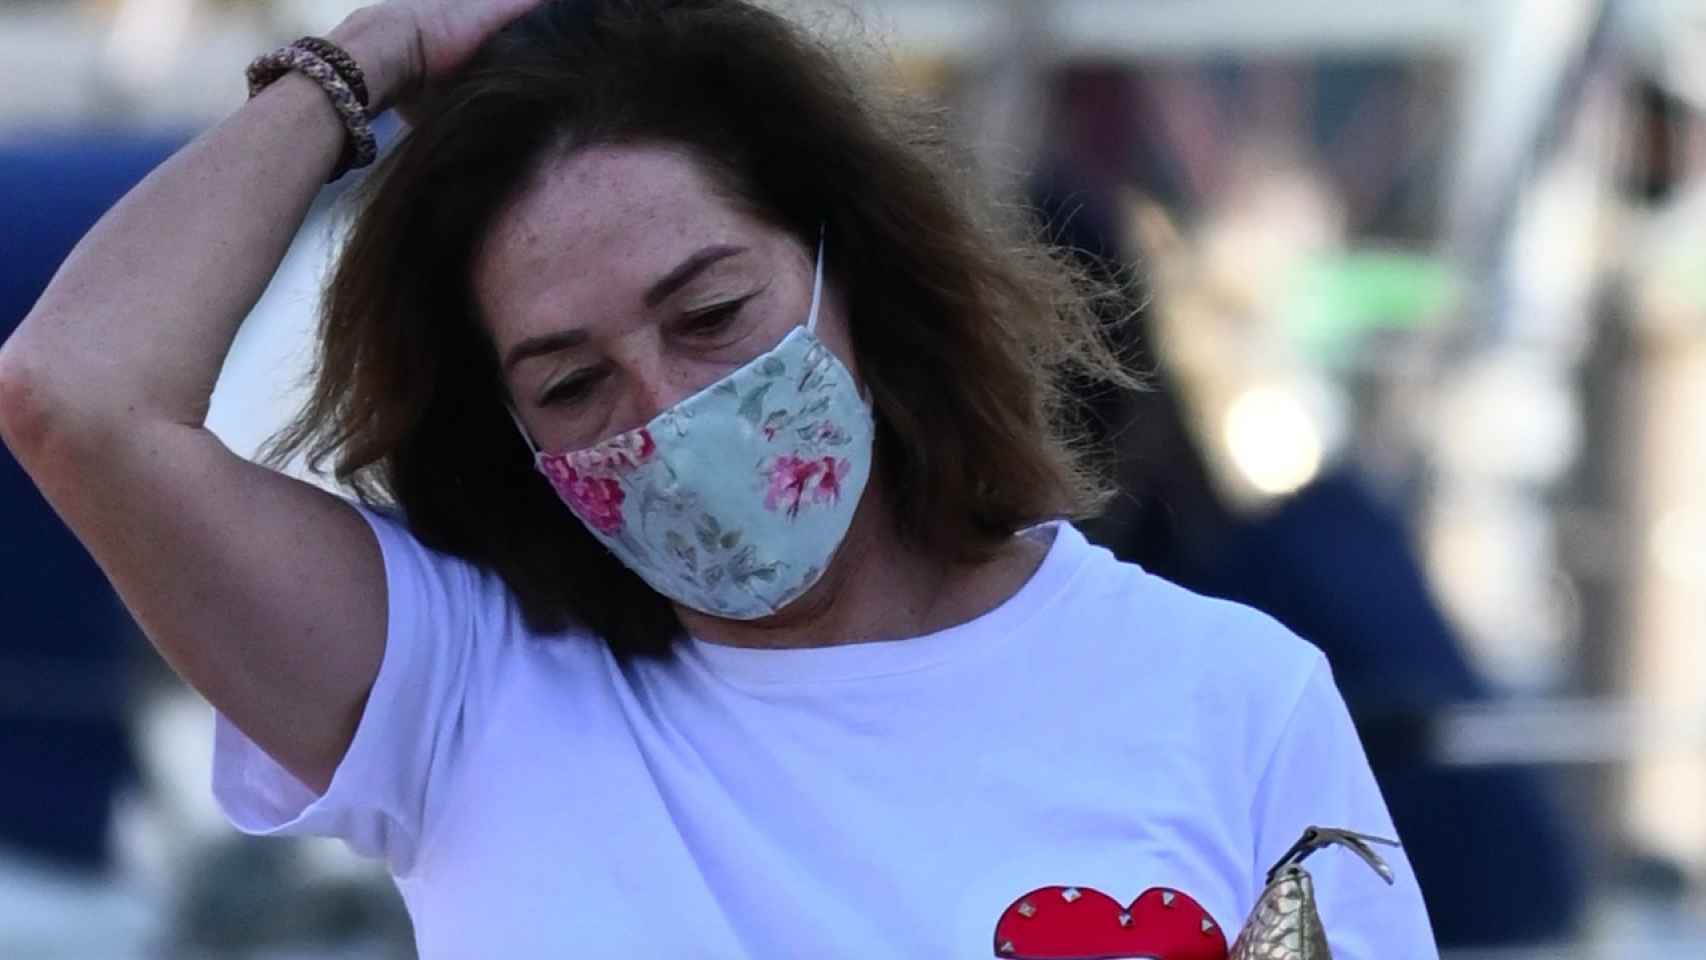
[383,42]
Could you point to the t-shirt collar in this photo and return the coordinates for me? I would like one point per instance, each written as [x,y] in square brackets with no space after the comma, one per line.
[748,666]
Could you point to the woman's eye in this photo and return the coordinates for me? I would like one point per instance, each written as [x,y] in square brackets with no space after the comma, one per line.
[712,321]
[571,388]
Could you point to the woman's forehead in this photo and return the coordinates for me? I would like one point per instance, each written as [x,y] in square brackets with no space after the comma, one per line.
[611,203]
[598,227]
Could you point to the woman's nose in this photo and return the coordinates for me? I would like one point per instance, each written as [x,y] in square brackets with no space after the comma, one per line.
[654,383]
[653,394]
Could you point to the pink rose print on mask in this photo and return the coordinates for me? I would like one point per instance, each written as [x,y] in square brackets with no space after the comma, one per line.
[794,481]
[586,479]
[829,482]
[596,500]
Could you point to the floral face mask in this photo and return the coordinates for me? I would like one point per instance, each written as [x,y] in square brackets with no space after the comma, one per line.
[733,501]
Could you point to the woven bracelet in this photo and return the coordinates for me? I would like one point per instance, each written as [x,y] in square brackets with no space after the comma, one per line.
[340,60]
[361,148]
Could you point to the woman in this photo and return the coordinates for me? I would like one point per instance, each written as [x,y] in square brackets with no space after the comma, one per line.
[727,610]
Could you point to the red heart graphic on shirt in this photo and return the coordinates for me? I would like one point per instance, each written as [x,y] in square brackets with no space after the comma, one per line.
[1078,923]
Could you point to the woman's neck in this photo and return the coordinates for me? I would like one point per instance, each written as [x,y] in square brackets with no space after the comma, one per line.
[879,588]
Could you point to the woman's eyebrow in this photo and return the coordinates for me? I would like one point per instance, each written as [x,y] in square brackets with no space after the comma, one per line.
[689,268]
[543,344]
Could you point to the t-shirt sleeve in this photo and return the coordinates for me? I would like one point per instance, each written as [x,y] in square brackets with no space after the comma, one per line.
[410,729]
[1318,776]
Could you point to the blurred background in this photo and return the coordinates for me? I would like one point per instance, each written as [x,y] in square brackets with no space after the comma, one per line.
[1421,289]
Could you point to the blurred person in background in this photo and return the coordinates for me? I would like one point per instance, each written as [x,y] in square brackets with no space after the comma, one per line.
[792,647]
[1332,561]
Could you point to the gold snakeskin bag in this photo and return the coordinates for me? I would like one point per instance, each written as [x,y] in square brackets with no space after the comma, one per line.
[1285,924]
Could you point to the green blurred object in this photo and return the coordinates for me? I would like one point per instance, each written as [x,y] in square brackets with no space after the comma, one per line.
[1336,300]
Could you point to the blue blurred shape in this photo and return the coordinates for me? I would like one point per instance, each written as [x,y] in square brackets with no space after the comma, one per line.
[65,643]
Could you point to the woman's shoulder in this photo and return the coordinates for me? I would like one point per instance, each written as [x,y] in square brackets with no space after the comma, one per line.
[454,623]
[1144,622]
[414,568]
[437,589]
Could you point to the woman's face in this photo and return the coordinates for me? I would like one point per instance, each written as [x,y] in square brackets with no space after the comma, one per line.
[622,281]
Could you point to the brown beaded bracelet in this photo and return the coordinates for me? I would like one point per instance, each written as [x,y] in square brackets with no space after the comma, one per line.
[361,148]
[340,60]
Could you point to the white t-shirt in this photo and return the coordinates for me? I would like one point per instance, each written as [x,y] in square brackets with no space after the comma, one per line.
[1101,734]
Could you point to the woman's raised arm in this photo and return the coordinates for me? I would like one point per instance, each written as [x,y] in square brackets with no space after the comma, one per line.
[263,592]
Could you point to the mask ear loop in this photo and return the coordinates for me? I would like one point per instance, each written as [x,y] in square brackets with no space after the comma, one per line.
[523,428]
[817,284]
[817,300]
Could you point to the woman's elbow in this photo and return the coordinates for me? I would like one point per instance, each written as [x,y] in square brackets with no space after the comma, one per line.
[35,406]
[23,415]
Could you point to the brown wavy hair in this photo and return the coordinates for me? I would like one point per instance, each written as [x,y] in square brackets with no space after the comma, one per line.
[964,325]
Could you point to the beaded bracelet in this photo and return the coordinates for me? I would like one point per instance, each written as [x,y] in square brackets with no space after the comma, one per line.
[361,148]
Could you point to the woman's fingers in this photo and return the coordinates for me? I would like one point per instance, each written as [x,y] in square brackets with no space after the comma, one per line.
[451,30]
[443,34]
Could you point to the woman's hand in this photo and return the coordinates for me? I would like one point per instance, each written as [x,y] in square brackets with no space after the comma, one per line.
[404,46]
